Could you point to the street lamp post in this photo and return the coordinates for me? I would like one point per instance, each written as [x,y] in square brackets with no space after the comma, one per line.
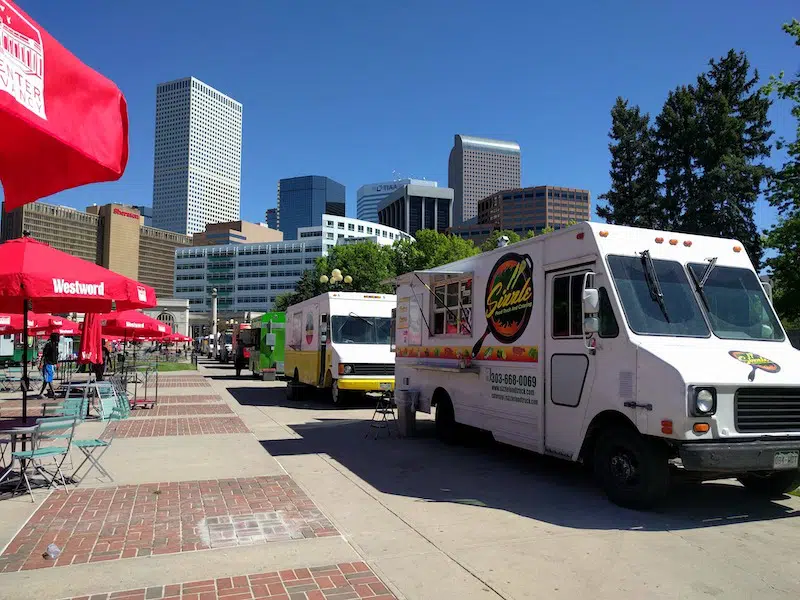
[214,322]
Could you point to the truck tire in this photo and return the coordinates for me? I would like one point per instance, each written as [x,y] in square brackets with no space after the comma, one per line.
[633,471]
[774,485]
[293,388]
[337,395]
[446,426]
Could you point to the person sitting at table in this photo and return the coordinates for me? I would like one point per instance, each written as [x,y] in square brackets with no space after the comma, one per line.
[48,365]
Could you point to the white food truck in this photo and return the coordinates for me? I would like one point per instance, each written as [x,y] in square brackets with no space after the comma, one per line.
[340,341]
[641,353]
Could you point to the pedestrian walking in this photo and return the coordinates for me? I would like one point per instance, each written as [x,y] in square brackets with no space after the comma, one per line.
[48,365]
[239,360]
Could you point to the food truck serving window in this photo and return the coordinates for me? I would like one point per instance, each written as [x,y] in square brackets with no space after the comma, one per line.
[452,308]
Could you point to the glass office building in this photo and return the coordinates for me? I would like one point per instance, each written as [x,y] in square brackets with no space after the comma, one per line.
[303,200]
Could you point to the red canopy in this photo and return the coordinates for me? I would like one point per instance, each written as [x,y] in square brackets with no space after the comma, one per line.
[61,326]
[12,323]
[133,324]
[56,281]
[176,337]
[91,350]
[63,125]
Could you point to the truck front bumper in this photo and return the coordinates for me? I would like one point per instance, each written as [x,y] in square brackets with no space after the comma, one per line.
[735,457]
[363,384]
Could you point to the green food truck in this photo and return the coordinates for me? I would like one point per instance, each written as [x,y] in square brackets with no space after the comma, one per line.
[266,356]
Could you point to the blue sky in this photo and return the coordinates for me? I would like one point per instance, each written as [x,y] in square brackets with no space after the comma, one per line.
[357,89]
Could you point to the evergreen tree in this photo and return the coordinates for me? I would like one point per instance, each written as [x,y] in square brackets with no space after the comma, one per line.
[731,140]
[634,172]
[784,195]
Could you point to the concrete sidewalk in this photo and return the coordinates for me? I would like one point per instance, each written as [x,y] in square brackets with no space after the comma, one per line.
[304,504]
[197,509]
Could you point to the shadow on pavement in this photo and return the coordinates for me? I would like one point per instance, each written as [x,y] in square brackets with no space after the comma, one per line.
[311,399]
[501,477]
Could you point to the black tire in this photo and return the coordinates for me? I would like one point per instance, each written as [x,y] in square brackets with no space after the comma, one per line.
[633,471]
[446,426]
[338,397]
[774,485]
[294,388]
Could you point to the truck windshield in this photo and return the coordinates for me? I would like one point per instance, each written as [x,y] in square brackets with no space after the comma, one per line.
[737,306]
[674,312]
[361,330]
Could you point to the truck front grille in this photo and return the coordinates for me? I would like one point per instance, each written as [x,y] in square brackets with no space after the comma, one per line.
[373,369]
[767,409]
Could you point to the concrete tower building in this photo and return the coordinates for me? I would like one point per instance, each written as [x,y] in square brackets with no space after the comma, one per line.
[478,168]
[198,156]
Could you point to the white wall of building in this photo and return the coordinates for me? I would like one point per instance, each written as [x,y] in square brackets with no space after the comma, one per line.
[198,156]
[248,277]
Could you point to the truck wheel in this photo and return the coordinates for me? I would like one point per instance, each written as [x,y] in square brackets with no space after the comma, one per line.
[773,485]
[633,471]
[446,426]
[293,388]
[337,396]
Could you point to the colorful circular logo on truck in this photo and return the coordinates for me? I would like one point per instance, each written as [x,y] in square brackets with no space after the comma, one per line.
[509,299]
[755,361]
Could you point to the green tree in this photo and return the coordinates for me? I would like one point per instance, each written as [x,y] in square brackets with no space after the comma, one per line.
[283,301]
[732,139]
[784,195]
[431,249]
[700,168]
[491,241]
[367,263]
[633,197]
[531,233]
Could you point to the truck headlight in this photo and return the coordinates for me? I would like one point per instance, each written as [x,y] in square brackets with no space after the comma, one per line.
[705,402]
[345,369]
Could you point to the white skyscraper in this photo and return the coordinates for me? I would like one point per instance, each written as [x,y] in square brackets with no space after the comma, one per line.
[198,156]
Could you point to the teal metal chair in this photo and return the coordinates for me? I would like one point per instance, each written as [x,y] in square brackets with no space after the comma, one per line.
[93,450]
[46,449]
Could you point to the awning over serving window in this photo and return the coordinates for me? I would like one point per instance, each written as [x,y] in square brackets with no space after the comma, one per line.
[424,275]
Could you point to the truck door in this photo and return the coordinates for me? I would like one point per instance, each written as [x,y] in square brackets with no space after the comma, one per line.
[569,370]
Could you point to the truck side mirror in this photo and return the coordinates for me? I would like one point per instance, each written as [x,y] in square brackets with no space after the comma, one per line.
[591,301]
[591,325]
[767,290]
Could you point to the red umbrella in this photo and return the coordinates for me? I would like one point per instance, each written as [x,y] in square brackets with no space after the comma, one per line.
[63,125]
[13,323]
[34,276]
[176,337]
[132,323]
[91,350]
[61,326]
[55,281]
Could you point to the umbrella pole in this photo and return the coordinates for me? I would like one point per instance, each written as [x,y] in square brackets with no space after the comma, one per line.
[25,381]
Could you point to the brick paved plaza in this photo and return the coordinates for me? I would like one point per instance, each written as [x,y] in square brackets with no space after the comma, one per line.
[100,524]
[330,582]
[162,518]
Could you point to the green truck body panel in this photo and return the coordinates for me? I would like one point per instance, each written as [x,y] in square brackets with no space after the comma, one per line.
[272,334]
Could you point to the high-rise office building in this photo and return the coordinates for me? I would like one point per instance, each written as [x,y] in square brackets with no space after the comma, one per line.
[413,207]
[527,209]
[479,167]
[198,156]
[303,200]
[369,196]
[271,218]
